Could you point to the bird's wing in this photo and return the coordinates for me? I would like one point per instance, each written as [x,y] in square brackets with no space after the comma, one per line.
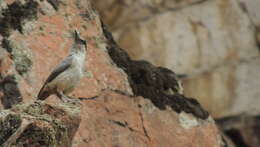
[65,64]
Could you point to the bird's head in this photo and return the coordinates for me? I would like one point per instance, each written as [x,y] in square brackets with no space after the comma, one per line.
[80,44]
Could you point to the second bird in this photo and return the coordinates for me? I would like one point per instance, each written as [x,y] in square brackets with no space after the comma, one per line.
[68,73]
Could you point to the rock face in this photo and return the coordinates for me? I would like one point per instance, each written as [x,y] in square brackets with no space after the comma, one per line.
[214,43]
[114,119]
[137,103]
[39,124]
[242,129]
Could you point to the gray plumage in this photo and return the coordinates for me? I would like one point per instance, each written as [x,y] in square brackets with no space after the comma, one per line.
[68,73]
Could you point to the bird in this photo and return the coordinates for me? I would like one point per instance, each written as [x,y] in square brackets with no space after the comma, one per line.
[67,74]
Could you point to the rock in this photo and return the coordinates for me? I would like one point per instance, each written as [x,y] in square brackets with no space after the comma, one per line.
[120,13]
[34,53]
[11,94]
[251,8]
[188,34]
[243,129]
[231,88]
[39,124]
[139,96]
[206,47]
[114,119]
[158,84]
[15,14]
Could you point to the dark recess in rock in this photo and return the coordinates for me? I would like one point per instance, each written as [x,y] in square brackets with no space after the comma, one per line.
[15,14]
[12,94]
[6,45]
[9,126]
[243,130]
[55,4]
[38,136]
[236,137]
[257,36]
[151,82]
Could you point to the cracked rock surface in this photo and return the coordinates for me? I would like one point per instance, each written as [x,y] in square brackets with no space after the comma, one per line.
[114,119]
[137,103]
[214,43]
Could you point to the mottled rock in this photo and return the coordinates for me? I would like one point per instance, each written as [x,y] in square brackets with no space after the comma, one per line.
[16,14]
[120,13]
[208,41]
[204,40]
[158,84]
[252,9]
[11,94]
[39,124]
[137,104]
[113,119]
[36,52]
[230,88]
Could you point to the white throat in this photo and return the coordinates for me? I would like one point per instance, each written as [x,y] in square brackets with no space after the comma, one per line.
[80,58]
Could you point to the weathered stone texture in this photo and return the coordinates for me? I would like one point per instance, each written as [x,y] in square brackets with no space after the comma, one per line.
[39,124]
[137,103]
[208,41]
[113,119]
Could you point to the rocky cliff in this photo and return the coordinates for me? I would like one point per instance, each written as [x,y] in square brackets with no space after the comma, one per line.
[212,44]
[135,104]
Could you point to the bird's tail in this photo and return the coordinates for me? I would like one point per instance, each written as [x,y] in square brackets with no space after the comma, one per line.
[42,94]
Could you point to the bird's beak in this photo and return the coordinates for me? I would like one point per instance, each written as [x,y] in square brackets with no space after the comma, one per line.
[76,35]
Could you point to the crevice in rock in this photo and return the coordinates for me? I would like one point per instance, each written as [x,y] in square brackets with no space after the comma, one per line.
[236,137]
[121,124]
[144,129]
[243,7]
[152,82]
[14,16]
[10,89]
[125,125]
[55,4]
[257,36]
[117,91]
[243,130]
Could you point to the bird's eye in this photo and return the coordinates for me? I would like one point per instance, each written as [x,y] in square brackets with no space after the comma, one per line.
[84,42]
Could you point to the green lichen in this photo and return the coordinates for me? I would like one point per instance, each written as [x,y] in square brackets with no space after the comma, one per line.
[72,108]
[53,133]
[21,55]
[88,74]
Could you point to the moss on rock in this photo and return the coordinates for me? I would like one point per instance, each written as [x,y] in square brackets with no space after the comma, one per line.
[50,125]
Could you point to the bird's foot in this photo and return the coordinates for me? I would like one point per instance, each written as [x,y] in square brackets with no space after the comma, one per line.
[64,98]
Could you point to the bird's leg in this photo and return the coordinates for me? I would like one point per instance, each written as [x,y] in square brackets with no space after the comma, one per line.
[63,97]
